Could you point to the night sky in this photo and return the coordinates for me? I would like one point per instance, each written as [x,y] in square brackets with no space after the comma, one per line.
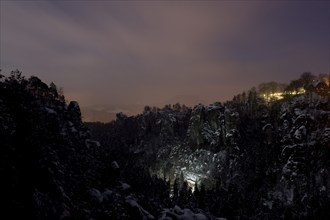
[124,55]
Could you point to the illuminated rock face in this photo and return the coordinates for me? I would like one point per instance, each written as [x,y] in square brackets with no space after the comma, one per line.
[195,165]
[192,177]
[254,155]
[203,152]
[206,127]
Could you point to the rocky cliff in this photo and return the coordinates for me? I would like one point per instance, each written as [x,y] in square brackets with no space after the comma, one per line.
[257,159]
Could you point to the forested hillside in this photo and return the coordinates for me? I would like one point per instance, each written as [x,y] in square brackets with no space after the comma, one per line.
[249,158]
[255,157]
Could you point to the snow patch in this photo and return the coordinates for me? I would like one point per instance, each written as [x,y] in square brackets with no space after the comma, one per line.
[50,111]
[114,165]
[134,205]
[181,214]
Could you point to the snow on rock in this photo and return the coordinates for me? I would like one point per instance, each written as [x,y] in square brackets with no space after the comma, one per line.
[73,130]
[114,165]
[205,126]
[326,135]
[172,118]
[136,210]
[300,133]
[181,214]
[50,111]
[267,126]
[323,189]
[215,106]
[107,194]
[125,186]
[95,196]
[91,143]
[298,111]
[268,204]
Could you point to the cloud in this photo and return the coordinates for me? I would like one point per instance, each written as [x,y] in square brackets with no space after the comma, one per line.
[147,52]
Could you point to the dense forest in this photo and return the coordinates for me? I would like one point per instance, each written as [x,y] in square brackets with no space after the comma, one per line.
[257,156]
